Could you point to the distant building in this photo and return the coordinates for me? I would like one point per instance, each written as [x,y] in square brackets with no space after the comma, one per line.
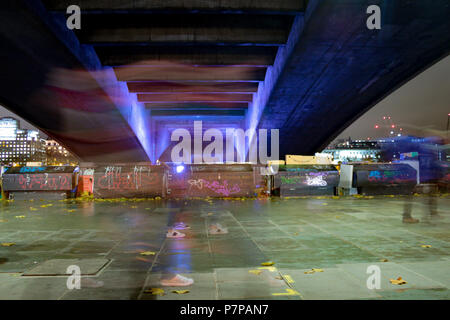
[57,154]
[19,146]
[354,151]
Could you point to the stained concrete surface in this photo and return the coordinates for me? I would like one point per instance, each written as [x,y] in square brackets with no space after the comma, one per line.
[341,236]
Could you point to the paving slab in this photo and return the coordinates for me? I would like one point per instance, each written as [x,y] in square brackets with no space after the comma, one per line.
[204,288]
[391,270]
[331,284]
[59,267]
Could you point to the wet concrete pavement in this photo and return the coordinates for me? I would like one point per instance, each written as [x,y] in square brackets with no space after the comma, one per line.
[121,247]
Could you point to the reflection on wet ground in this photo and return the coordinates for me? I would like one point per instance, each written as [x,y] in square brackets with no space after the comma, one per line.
[122,249]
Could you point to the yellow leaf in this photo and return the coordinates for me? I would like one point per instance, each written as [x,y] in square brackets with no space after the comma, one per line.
[2,220]
[313,270]
[70,210]
[399,281]
[289,292]
[33,209]
[270,269]
[155,291]
[324,204]
[180,291]
[268,263]
[7,244]
[148,253]
[426,246]
[257,272]
[20,217]
[288,278]
[384,260]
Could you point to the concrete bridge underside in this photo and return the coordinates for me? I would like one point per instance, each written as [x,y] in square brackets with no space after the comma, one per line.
[113,90]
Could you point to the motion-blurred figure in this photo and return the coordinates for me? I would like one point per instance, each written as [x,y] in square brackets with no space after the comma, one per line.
[431,174]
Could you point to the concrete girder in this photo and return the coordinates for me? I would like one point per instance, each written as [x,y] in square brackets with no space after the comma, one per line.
[197,105]
[237,6]
[191,55]
[195,97]
[189,29]
[192,87]
[178,72]
[218,112]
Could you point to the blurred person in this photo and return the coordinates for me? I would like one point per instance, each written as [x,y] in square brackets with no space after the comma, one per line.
[430,175]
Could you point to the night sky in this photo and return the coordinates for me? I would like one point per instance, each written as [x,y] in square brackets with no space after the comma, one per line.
[420,107]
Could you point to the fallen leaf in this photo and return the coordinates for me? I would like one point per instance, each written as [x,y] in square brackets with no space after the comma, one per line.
[7,244]
[20,217]
[2,220]
[70,210]
[180,291]
[426,246]
[33,209]
[270,269]
[384,260]
[313,270]
[399,281]
[155,291]
[257,272]
[268,263]
[148,253]
[288,278]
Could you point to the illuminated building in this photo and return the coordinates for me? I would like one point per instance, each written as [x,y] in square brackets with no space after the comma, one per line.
[354,151]
[57,154]
[19,146]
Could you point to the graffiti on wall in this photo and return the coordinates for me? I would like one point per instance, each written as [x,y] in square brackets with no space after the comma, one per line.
[119,178]
[225,189]
[387,176]
[42,182]
[311,179]
[316,179]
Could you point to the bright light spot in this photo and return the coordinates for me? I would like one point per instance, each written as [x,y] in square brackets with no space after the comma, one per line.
[392,132]
[377,126]
[393,126]
[180,169]
[399,135]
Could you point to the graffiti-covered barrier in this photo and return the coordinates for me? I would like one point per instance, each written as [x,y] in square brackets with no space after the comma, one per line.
[44,182]
[214,180]
[304,180]
[128,180]
[379,179]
